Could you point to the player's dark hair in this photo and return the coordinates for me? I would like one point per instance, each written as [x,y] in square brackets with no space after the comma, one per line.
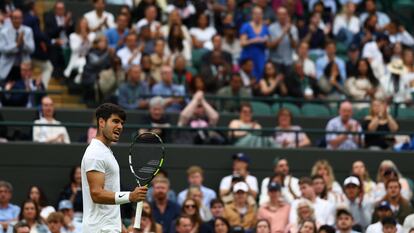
[105,111]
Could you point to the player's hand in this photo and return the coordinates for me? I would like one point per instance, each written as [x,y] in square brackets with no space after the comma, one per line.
[139,194]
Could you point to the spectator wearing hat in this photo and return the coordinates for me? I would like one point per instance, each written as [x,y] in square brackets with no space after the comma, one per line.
[324,211]
[397,89]
[358,204]
[400,206]
[345,123]
[389,225]
[240,173]
[276,210]
[344,221]
[69,223]
[408,226]
[195,178]
[382,211]
[388,170]
[240,213]
[290,184]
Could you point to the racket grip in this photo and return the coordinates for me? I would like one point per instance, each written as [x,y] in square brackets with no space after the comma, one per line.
[137,223]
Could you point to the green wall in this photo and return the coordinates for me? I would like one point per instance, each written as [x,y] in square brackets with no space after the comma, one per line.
[25,164]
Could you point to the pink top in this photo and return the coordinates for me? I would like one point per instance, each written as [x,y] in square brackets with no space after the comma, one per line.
[278,218]
[91,134]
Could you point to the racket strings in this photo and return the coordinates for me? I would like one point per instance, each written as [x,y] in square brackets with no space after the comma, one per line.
[146,154]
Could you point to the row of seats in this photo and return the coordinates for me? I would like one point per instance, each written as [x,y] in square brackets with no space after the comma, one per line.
[320,110]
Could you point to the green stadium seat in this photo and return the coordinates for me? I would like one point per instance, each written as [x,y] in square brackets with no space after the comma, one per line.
[196,57]
[360,113]
[315,110]
[294,109]
[404,113]
[260,108]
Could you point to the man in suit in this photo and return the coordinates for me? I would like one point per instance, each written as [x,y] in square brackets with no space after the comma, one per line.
[41,56]
[58,26]
[16,45]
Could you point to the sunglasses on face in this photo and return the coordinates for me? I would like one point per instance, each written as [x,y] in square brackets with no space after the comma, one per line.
[189,206]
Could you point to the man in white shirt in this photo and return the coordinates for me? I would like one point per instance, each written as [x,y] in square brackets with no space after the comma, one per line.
[130,54]
[49,134]
[372,51]
[99,20]
[150,20]
[290,182]
[324,211]
[69,224]
[309,67]
[361,208]
[383,210]
[100,175]
[240,173]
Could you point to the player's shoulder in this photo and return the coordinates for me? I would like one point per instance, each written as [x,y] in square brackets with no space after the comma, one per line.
[95,149]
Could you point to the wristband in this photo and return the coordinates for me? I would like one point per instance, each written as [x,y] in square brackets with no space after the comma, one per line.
[121,198]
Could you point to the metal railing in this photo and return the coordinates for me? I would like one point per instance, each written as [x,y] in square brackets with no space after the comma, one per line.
[263,133]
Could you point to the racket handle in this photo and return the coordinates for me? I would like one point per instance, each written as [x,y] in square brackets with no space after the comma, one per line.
[137,223]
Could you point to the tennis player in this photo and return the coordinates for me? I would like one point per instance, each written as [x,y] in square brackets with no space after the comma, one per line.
[100,175]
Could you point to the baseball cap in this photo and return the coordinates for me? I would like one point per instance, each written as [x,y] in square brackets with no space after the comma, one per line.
[352,180]
[65,204]
[384,205]
[240,186]
[241,157]
[273,186]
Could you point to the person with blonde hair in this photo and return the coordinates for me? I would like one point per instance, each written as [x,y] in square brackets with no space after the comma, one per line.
[304,211]
[194,192]
[388,170]
[195,177]
[379,120]
[324,169]
[359,169]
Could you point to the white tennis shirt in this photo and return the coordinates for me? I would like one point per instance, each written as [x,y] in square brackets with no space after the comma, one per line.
[99,218]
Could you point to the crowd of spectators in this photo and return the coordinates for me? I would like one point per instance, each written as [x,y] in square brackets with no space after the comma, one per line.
[283,203]
[231,49]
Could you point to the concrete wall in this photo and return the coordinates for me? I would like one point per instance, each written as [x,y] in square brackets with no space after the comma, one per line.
[25,164]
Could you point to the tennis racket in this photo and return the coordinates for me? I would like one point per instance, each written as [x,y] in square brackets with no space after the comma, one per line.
[146,156]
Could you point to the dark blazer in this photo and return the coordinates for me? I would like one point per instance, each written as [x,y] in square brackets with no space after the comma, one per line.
[52,29]
[39,36]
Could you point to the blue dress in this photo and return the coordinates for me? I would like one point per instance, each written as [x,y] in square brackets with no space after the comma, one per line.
[256,52]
